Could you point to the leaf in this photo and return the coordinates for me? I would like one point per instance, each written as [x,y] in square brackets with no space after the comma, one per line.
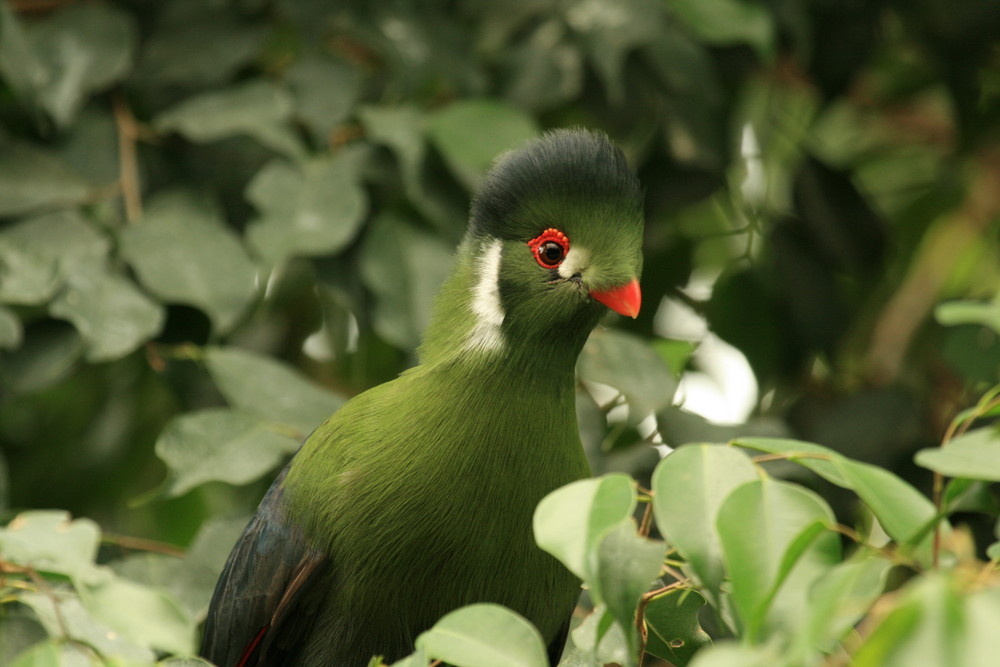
[49,541]
[325,90]
[19,63]
[484,635]
[457,132]
[972,455]
[630,365]
[689,486]
[270,389]
[44,358]
[731,654]
[627,564]
[26,277]
[217,444]
[987,313]
[597,640]
[258,109]
[195,45]
[903,511]
[726,22]
[314,208]
[774,547]
[839,599]
[545,70]
[83,49]
[32,179]
[142,615]
[404,267]
[112,316]
[74,621]
[570,522]
[11,331]
[183,253]
[674,632]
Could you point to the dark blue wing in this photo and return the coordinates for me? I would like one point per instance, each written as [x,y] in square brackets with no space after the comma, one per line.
[266,578]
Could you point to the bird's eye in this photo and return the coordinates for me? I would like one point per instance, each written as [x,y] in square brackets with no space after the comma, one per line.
[549,248]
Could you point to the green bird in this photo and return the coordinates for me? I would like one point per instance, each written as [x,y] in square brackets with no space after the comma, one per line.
[416,497]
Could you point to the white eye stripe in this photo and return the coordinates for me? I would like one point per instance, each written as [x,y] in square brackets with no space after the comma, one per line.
[575,262]
[486,307]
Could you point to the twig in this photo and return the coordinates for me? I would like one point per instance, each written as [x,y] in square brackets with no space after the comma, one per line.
[142,544]
[128,162]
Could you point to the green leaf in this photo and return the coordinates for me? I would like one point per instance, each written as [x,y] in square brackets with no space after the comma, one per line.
[903,511]
[257,109]
[597,640]
[457,132]
[11,331]
[113,317]
[926,627]
[44,358]
[325,90]
[726,22]
[839,599]
[26,277]
[404,267]
[142,615]
[49,541]
[183,253]
[484,635]
[32,179]
[83,49]
[629,364]
[314,208]
[986,313]
[675,353]
[63,615]
[270,389]
[731,654]
[774,546]
[627,564]
[972,455]
[218,444]
[570,522]
[689,486]
[19,63]
[63,237]
[545,70]
[674,632]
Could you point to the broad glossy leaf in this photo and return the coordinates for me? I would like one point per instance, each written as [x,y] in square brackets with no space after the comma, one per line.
[731,654]
[673,630]
[597,640]
[50,541]
[627,564]
[727,22]
[457,132]
[689,486]
[83,49]
[76,622]
[112,315]
[840,599]
[902,510]
[218,444]
[570,522]
[195,45]
[314,208]
[146,616]
[258,109]
[925,627]
[63,237]
[325,90]
[774,548]
[484,635]
[972,455]
[629,364]
[270,389]
[183,253]
[404,267]
[33,179]
[26,277]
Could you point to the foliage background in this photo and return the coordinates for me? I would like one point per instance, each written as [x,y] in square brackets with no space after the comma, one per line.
[218,220]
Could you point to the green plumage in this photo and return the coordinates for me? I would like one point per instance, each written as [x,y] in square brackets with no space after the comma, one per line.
[417,496]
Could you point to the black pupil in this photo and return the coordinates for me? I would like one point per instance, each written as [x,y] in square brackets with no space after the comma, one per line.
[551,252]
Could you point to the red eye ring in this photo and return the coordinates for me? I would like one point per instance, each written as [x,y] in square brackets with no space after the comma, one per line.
[549,248]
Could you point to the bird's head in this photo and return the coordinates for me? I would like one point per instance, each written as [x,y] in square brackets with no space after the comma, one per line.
[554,240]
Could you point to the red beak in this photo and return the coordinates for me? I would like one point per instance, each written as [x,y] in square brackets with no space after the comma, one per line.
[624,299]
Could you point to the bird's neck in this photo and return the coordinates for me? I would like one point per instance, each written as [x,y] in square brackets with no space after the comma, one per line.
[471,326]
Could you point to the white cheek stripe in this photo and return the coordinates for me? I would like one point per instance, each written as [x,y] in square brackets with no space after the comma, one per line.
[486,334]
[575,262]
